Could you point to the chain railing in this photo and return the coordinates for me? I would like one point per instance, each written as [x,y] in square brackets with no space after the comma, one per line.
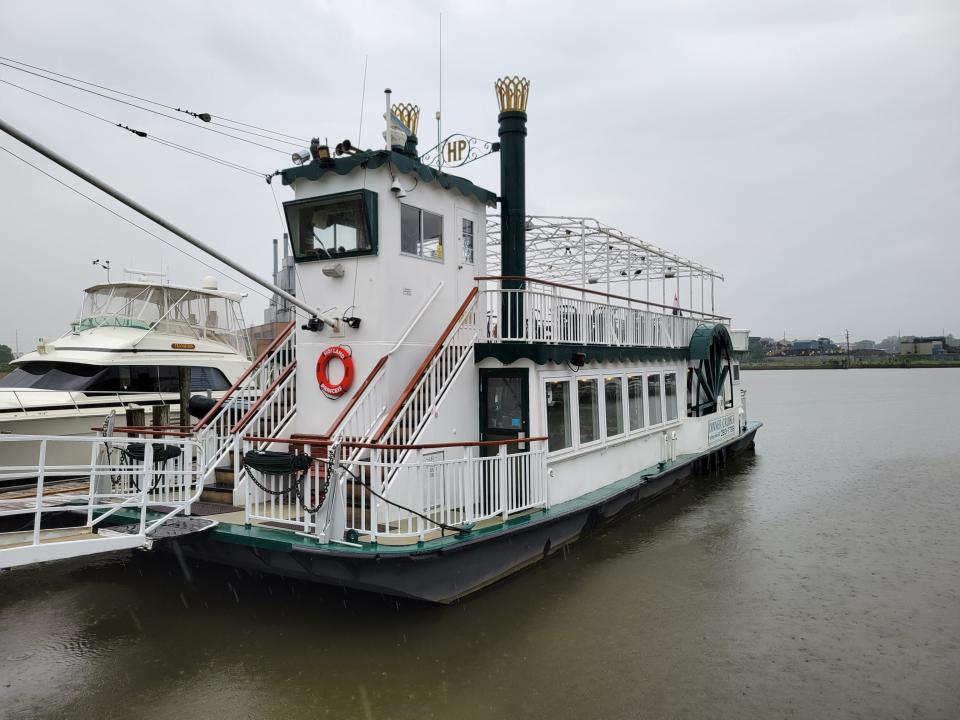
[435,489]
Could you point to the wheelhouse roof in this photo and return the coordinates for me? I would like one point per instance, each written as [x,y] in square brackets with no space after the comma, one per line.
[577,250]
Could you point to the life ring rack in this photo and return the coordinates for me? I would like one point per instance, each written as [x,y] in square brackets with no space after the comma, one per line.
[343,354]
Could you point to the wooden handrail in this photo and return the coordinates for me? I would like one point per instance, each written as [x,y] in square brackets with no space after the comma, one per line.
[356,396]
[155,431]
[301,441]
[520,278]
[246,373]
[434,351]
[264,396]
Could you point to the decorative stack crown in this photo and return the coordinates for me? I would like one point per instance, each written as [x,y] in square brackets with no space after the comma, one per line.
[408,114]
[512,93]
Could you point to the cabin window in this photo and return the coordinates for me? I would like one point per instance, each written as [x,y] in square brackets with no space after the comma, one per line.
[613,404]
[635,401]
[588,406]
[735,369]
[653,398]
[333,226]
[467,235]
[670,395]
[559,434]
[97,379]
[421,233]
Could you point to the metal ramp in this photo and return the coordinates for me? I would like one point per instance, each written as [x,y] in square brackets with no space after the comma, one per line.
[142,479]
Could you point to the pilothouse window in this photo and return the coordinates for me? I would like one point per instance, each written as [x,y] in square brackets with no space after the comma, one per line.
[333,226]
[421,233]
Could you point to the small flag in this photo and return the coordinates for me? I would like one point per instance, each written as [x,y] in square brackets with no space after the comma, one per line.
[676,304]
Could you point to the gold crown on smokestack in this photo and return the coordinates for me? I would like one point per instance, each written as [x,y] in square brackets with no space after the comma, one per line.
[512,93]
[408,114]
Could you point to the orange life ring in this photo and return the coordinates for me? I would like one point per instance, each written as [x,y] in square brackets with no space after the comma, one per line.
[342,354]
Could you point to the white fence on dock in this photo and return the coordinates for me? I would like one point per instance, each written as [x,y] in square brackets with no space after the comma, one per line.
[121,474]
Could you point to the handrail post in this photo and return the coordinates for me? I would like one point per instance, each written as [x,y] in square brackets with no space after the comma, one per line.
[145,483]
[94,451]
[41,471]
[468,499]
[376,480]
[502,462]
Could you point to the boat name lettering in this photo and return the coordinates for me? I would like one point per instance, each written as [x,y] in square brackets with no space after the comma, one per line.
[721,428]
[182,346]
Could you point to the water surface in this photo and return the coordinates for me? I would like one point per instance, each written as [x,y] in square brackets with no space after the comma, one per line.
[818,577]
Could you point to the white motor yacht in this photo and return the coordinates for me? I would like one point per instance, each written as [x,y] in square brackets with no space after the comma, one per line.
[125,349]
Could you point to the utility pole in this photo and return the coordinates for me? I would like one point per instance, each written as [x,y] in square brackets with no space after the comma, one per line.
[848,346]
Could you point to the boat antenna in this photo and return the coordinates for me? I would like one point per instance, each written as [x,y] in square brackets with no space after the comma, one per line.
[316,317]
[105,264]
[363,96]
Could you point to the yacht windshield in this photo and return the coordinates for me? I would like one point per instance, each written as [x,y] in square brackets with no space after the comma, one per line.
[42,375]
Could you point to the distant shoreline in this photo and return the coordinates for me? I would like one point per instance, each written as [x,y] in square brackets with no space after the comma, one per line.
[856,365]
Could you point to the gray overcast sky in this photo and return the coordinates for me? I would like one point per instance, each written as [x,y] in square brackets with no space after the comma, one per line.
[809,149]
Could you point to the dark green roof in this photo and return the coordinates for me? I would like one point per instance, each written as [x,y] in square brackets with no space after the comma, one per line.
[373,159]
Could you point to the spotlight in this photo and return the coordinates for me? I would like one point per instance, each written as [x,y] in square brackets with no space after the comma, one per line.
[353,322]
[300,157]
[313,325]
[578,359]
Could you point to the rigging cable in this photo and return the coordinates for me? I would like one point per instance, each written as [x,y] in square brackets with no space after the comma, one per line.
[154,102]
[150,110]
[139,227]
[140,133]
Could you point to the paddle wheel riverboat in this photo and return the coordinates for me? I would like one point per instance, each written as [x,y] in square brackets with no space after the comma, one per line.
[483,390]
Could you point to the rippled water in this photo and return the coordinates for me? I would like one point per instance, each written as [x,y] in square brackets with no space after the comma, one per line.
[818,577]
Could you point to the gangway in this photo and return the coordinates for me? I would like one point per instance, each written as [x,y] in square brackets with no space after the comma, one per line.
[131,493]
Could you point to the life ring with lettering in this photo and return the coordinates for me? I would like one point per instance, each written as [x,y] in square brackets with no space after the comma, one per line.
[335,390]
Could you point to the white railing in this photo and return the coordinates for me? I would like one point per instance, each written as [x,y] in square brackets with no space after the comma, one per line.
[216,431]
[542,312]
[365,414]
[425,493]
[121,474]
[268,417]
[434,380]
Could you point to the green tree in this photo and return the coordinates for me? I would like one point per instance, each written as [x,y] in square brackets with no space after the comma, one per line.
[6,355]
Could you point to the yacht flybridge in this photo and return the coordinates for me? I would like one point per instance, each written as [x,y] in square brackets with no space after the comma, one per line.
[484,391]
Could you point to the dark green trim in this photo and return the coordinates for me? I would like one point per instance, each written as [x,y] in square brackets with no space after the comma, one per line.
[560,354]
[373,159]
[371,211]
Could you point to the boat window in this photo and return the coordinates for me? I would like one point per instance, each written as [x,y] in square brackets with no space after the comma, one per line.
[333,226]
[421,233]
[42,375]
[505,403]
[588,410]
[635,401]
[467,235]
[670,395]
[653,396]
[613,403]
[736,372]
[559,435]
[94,379]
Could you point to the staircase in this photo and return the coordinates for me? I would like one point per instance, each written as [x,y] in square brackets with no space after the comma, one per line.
[412,411]
[261,402]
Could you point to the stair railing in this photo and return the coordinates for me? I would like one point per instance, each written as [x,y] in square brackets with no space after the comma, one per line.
[429,383]
[216,431]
